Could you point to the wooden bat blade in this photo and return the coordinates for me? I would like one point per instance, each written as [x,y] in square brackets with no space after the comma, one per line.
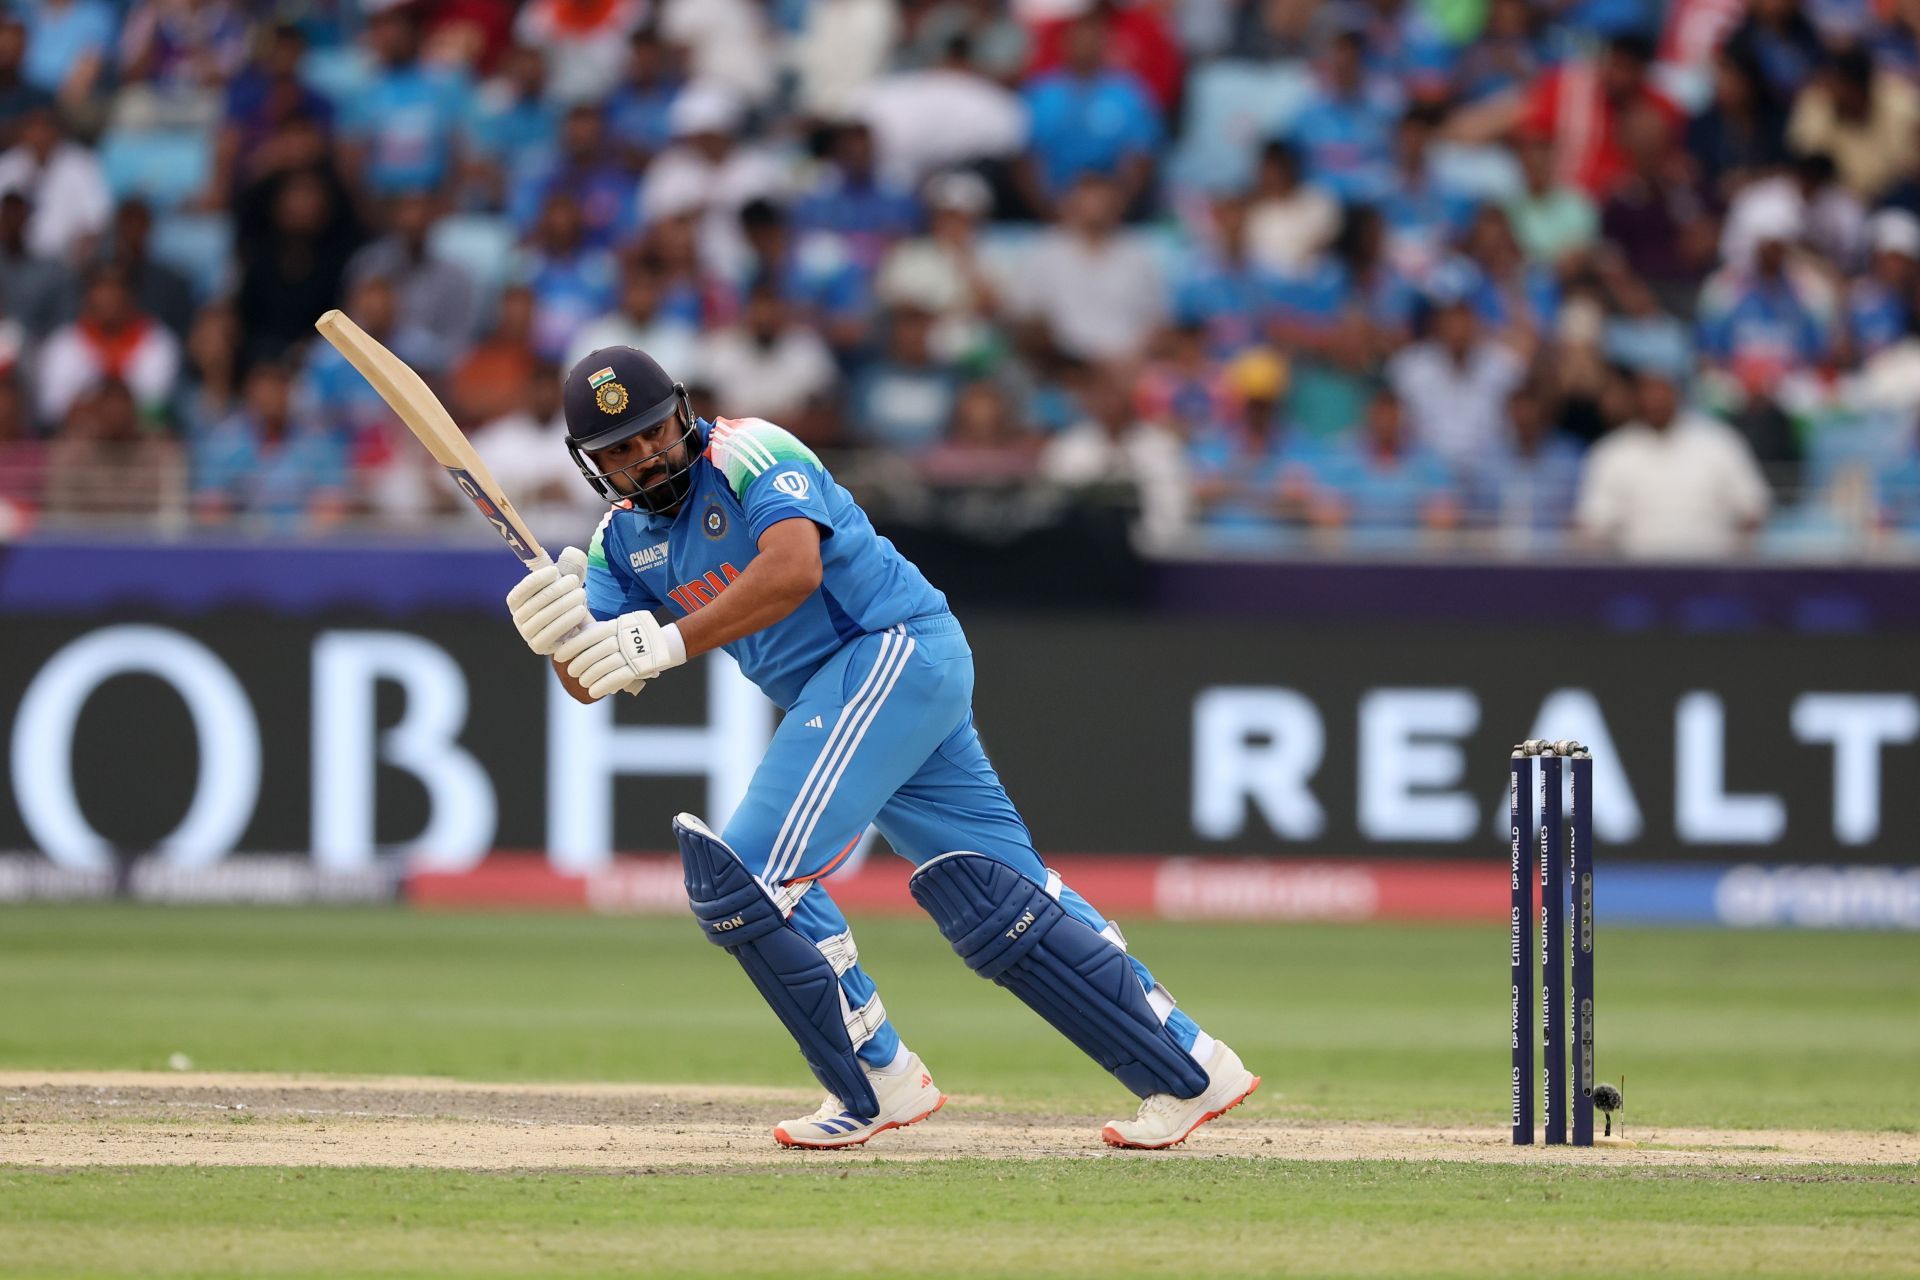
[408,395]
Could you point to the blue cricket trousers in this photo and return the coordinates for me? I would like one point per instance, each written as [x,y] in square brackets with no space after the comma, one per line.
[883,734]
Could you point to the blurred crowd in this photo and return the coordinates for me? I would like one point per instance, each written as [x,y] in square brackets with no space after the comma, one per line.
[1622,274]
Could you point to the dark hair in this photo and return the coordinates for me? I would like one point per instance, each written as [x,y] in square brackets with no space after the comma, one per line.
[1430,115]
[1356,222]
[762,214]
[1280,151]
[106,272]
[1746,64]
[1632,45]
[1853,64]
[1814,166]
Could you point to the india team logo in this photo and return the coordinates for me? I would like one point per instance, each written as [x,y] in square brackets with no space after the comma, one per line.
[714,521]
[608,394]
[791,483]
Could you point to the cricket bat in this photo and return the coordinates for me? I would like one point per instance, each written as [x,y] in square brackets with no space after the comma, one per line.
[410,397]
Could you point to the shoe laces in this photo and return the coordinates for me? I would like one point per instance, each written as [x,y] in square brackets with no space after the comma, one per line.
[1160,1104]
[829,1109]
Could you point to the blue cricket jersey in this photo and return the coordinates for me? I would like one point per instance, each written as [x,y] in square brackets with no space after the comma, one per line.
[753,475]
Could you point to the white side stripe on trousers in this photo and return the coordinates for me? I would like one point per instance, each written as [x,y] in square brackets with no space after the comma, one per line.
[785,855]
[872,713]
[840,726]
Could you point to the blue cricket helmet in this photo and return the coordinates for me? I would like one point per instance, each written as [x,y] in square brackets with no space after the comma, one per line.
[614,394]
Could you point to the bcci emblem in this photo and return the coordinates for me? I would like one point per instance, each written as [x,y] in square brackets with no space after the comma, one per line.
[714,521]
[608,394]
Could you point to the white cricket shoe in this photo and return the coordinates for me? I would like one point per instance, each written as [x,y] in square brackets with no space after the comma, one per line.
[1167,1121]
[905,1097]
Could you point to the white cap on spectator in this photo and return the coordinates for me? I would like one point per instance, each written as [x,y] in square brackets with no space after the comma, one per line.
[671,192]
[961,192]
[1775,216]
[704,107]
[1896,231]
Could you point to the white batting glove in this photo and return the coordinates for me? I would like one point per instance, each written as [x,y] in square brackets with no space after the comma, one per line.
[548,604]
[609,657]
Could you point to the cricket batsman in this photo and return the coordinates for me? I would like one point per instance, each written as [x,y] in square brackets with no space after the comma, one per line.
[731,535]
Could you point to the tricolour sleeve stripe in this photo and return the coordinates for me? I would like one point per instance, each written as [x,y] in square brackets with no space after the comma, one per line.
[736,444]
[746,448]
[597,549]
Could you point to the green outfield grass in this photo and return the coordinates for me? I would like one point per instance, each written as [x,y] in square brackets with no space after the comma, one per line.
[963,1218]
[1381,1023]
[1384,1023]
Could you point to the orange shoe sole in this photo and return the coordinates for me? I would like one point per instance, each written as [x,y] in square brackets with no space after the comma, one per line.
[1113,1138]
[781,1136]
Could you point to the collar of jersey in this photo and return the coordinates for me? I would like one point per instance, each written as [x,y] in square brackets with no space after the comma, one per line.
[662,524]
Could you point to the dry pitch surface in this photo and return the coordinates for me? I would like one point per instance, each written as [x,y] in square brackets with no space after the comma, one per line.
[73,1119]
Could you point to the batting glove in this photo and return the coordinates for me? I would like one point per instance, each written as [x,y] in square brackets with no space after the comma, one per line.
[609,657]
[549,604]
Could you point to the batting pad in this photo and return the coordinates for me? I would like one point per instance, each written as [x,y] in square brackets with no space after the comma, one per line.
[791,972]
[1008,929]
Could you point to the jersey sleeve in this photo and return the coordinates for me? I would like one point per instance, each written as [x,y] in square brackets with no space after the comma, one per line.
[613,589]
[774,475]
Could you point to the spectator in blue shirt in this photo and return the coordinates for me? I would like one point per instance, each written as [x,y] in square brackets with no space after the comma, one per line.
[1383,481]
[903,401]
[180,48]
[1341,317]
[264,460]
[638,113]
[814,273]
[1344,132]
[1088,118]
[1516,298]
[1609,18]
[1756,324]
[1506,56]
[869,214]
[1879,303]
[1422,217]
[589,168]
[1223,289]
[1407,52]
[1639,333]
[69,46]
[402,127]
[261,99]
[510,136]
[572,281]
[1528,485]
[1250,473]
[334,394]
[1782,41]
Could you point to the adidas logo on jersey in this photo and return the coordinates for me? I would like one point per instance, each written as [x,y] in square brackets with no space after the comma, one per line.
[813,724]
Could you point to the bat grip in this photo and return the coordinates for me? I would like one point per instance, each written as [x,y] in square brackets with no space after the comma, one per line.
[545,561]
